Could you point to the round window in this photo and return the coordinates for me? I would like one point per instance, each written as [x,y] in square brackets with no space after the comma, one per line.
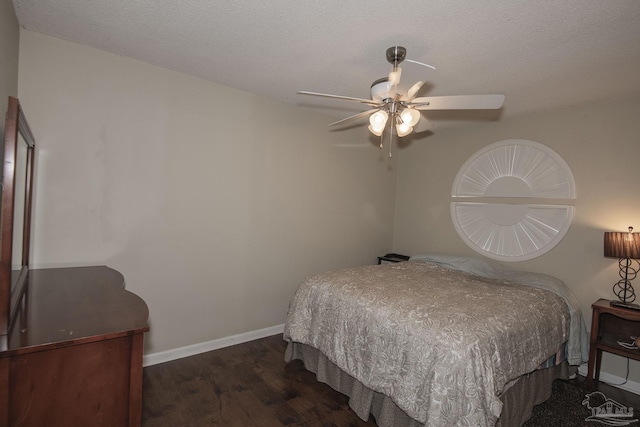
[513,200]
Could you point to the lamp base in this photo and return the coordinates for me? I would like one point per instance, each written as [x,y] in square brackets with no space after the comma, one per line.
[623,304]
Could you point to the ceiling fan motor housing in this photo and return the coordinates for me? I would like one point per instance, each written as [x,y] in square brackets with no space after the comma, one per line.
[396,54]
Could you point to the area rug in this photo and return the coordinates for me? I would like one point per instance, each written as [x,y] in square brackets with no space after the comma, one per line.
[573,406]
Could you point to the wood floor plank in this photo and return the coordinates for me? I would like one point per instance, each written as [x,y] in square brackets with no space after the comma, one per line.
[246,385]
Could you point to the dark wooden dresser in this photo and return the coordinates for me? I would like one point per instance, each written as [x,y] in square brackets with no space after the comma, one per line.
[73,356]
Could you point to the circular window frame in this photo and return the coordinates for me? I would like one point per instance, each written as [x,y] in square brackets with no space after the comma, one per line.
[513,200]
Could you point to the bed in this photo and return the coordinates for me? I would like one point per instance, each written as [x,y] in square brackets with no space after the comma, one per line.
[438,340]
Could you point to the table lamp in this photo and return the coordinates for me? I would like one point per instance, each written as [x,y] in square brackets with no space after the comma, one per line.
[625,247]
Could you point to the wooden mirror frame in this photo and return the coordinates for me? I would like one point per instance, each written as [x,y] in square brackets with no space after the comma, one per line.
[13,283]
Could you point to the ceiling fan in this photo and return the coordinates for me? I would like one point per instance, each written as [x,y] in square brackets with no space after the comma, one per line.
[401,112]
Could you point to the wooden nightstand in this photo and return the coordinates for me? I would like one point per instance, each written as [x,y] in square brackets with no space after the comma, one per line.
[609,325]
[392,258]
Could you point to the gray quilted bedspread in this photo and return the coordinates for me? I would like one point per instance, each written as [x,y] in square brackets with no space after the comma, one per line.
[442,344]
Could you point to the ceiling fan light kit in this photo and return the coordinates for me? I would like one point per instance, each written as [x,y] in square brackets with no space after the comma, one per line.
[410,116]
[378,122]
[400,113]
[403,129]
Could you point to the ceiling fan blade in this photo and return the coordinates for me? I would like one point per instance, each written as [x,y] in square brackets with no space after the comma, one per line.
[394,76]
[423,125]
[459,102]
[413,90]
[420,63]
[355,117]
[345,98]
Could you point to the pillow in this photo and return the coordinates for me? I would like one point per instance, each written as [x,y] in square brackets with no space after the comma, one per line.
[479,267]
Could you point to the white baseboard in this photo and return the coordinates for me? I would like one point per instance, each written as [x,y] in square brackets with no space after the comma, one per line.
[613,380]
[191,350]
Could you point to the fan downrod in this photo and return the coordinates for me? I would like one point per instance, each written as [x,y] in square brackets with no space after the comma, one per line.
[396,54]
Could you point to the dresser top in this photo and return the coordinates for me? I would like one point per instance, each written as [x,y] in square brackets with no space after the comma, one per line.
[67,306]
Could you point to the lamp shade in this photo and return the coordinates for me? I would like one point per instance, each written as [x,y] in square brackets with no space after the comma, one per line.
[403,129]
[376,131]
[410,116]
[622,245]
[379,119]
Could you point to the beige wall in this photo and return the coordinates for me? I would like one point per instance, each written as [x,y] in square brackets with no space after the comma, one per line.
[9,48]
[601,144]
[212,221]
[215,224]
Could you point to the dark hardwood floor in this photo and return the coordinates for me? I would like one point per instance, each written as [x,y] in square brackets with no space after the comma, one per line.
[250,385]
[613,392]
[244,385]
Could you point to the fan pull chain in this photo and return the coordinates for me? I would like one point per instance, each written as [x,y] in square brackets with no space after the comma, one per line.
[391,131]
[390,139]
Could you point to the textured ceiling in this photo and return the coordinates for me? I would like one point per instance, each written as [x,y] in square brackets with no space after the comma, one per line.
[541,54]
